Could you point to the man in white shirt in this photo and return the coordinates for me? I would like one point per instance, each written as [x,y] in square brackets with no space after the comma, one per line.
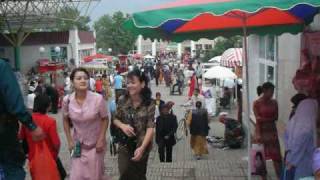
[30,99]
[92,84]
[67,84]
[197,97]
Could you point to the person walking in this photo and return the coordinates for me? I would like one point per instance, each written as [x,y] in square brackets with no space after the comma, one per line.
[266,112]
[30,99]
[157,74]
[198,121]
[67,84]
[12,111]
[118,81]
[92,83]
[197,97]
[99,85]
[166,127]
[53,94]
[51,142]
[106,87]
[135,120]
[159,104]
[192,85]
[86,113]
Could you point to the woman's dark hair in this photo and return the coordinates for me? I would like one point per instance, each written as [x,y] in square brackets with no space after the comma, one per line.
[80,69]
[267,86]
[259,90]
[146,91]
[259,154]
[198,104]
[41,103]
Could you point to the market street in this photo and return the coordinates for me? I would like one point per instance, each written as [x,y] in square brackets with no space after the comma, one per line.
[219,164]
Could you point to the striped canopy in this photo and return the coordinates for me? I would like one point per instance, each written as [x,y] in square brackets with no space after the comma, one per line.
[232,57]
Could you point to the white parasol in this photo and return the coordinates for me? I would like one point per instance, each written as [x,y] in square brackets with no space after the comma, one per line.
[219,72]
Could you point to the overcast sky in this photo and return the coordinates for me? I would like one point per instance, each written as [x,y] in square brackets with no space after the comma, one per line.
[128,6]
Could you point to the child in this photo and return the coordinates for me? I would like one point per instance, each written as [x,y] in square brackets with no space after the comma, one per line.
[48,124]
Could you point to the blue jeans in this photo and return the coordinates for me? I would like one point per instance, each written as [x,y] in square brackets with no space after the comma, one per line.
[12,171]
[288,174]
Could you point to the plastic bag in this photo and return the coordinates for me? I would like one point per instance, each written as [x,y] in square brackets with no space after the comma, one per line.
[258,161]
[42,165]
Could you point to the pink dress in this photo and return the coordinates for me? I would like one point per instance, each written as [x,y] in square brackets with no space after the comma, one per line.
[86,121]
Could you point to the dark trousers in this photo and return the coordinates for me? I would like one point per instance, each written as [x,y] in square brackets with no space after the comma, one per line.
[157,80]
[131,170]
[12,171]
[178,84]
[12,157]
[54,104]
[165,153]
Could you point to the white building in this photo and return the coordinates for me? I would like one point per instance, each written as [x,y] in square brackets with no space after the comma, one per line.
[148,47]
[276,59]
[56,46]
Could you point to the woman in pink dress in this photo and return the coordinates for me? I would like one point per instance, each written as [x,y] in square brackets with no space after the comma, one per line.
[85,125]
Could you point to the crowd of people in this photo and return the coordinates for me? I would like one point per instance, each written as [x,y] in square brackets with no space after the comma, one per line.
[93,102]
[88,108]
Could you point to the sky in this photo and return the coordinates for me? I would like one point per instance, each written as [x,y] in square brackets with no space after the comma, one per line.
[127,6]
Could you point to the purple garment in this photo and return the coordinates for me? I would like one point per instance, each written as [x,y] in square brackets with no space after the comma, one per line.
[316,160]
[86,120]
[300,137]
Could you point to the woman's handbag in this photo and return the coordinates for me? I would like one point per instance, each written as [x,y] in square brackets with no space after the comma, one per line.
[42,165]
[258,161]
[62,171]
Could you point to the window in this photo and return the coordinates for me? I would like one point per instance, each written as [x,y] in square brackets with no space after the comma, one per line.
[267,55]
[262,46]
[261,73]
[207,46]
[198,47]
[267,47]
[270,74]
[270,48]
[60,56]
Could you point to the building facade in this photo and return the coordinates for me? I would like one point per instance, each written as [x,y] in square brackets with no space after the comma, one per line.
[69,47]
[276,59]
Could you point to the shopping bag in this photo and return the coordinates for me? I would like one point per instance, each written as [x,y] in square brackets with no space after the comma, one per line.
[258,161]
[42,165]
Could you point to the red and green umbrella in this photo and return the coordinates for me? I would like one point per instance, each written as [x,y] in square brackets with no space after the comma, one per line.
[195,19]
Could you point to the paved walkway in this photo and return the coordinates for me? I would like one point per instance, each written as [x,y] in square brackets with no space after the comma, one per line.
[219,164]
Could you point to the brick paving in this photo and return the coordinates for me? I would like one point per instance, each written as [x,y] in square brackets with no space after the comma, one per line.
[219,164]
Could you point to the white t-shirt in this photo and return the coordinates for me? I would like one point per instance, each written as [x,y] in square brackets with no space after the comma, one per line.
[92,84]
[67,84]
[30,100]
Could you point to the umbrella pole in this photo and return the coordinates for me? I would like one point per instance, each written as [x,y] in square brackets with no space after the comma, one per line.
[247,104]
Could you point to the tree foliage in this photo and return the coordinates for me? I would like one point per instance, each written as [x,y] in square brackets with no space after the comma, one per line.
[221,45]
[111,34]
[69,17]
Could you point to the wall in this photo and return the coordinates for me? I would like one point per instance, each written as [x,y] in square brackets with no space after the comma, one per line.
[253,67]
[30,55]
[288,63]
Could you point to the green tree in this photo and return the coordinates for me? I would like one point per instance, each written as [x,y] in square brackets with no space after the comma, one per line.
[221,45]
[69,17]
[111,34]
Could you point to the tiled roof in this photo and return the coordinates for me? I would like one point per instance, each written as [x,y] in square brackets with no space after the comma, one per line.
[39,38]
[86,37]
